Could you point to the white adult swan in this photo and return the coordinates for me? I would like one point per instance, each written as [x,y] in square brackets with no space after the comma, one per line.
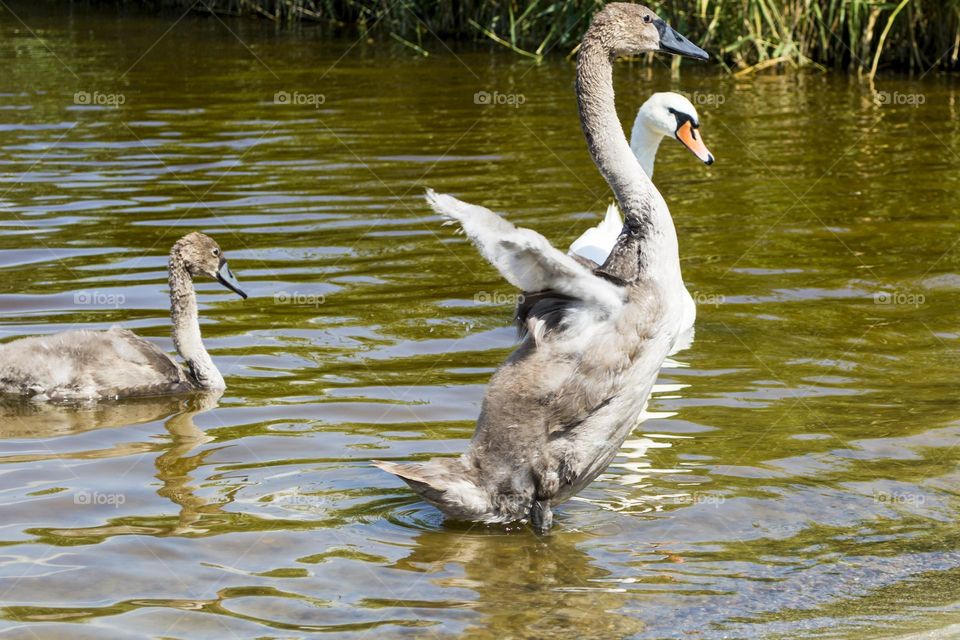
[93,365]
[557,411]
[663,114]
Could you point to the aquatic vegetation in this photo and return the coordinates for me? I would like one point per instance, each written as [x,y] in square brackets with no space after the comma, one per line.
[859,35]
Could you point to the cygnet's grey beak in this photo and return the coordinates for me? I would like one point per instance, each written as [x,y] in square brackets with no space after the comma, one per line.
[673,42]
[227,279]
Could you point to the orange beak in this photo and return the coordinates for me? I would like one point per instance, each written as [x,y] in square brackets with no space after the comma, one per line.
[692,140]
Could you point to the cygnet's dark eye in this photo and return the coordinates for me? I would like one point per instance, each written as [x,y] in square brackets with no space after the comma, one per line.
[216,252]
[648,18]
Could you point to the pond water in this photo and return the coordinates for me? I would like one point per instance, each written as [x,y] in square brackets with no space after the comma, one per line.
[796,475]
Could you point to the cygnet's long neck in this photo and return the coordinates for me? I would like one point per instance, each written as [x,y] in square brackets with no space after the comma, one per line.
[605,140]
[186,327]
[644,142]
[648,244]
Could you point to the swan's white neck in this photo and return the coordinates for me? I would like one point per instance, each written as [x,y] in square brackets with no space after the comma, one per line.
[186,327]
[644,142]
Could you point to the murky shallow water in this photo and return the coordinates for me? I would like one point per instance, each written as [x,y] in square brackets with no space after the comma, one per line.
[798,472]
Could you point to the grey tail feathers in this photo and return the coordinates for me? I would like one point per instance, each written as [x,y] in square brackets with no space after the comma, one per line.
[447,484]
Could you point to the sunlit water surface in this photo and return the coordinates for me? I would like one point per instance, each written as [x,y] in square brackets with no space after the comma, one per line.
[796,477]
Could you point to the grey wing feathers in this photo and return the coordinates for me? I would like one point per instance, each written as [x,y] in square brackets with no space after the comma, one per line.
[543,311]
[444,483]
[88,365]
[525,258]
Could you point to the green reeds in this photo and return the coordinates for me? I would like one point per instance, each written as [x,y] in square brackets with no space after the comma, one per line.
[745,35]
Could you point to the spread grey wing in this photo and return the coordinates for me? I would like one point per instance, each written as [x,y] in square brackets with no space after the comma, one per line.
[525,258]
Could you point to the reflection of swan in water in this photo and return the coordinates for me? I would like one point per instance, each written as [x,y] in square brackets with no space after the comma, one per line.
[174,467]
[22,419]
[36,421]
[524,587]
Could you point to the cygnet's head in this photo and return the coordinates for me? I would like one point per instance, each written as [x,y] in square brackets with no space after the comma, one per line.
[201,255]
[626,29]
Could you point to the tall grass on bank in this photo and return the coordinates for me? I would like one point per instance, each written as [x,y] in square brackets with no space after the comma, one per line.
[746,35]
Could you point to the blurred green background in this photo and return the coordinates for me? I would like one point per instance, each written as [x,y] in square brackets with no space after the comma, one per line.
[855,35]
